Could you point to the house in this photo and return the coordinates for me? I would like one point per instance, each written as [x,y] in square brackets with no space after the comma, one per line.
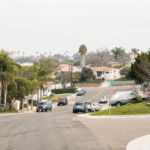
[67,68]
[105,72]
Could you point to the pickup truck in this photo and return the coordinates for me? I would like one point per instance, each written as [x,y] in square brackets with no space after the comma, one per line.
[121,98]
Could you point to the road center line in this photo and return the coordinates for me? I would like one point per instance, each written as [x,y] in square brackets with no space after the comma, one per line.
[96,95]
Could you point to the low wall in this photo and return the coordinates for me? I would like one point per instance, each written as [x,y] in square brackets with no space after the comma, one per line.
[88,85]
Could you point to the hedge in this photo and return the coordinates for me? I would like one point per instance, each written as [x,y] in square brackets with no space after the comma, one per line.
[61,91]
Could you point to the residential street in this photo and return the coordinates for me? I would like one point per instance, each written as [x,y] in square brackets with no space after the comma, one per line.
[60,129]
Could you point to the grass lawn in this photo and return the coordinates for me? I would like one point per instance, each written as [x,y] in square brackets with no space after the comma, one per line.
[134,109]
[56,95]
[8,111]
[124,79]
[92,82]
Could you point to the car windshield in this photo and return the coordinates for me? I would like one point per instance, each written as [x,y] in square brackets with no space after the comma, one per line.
[87,103]
[61,99]
[78,103]
[42,103]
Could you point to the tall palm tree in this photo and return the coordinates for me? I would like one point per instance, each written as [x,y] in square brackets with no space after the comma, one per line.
[82,52]
[135,51]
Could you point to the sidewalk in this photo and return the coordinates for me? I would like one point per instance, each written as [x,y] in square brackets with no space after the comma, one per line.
[141,143]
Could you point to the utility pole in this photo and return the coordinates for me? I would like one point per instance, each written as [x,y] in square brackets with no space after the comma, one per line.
[0,94]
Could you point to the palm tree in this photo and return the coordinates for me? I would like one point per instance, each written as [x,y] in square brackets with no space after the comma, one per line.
[82,52]
[135,51]
[118,52]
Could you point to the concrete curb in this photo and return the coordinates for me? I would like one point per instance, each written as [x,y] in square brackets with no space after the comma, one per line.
[113,116]
[141,143]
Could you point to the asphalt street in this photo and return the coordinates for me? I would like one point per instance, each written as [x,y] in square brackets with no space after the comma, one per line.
[52,130]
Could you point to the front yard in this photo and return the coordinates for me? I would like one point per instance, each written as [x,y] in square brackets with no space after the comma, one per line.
[8,111]
[134,109]
[124,79]
[56,97]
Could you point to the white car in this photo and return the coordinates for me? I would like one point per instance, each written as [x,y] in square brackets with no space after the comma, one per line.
[103,99]
[90,106]
[96,106]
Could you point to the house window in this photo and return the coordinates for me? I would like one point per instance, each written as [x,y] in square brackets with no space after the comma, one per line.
[107,72]
[99,73]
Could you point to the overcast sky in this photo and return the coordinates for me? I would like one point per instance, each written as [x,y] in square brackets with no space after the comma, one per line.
[57,26]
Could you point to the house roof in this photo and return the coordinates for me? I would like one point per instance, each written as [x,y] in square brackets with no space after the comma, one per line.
[103,69]
[48,84]
[64,65]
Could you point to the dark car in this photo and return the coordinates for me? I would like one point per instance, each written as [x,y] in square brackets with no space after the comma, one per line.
[63,101]
[44,106]
[79,93]
[80,107]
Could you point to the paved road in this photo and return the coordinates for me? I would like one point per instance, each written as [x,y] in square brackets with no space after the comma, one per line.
[55,130]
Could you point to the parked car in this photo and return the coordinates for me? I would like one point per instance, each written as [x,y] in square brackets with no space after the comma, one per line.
[103,99]
[84,90]
[90,106]
[63,101]
[96,106]
[121,98]
[44,106]
[79,93]
[80,107]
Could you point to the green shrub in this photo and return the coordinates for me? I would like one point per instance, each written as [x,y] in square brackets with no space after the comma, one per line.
[125,71]
[25,105]
[52,95]
[61,91]
[136,99]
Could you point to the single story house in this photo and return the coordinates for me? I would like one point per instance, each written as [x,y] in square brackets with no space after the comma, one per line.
[105,72]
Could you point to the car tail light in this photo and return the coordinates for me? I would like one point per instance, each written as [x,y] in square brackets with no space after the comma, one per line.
[83,104]
[90,105]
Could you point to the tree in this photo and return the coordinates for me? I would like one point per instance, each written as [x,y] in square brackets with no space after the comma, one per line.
[86,74]
[8,68]
[34,86]
[12,93]
[82,52]
[125,71]
[76,78]
[139,70]
[135,51]
[117,52]
[23,88]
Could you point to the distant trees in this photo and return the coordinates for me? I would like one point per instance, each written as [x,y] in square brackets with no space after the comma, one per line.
[120,55]
[101,57]
[135,51]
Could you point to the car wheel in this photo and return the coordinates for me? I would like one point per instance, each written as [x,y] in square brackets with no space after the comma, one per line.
[42,110]
[83,111]
[50,109]
[37,111]
[73,111]
[118,104]
[45,109]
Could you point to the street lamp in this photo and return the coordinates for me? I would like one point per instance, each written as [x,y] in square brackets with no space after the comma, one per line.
[71,59]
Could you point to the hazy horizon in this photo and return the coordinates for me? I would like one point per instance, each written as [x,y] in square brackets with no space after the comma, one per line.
[58,26]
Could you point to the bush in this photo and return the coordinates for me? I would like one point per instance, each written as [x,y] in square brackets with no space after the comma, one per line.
[52,95]
[136,99]
[125,71]
[61,91]
[25,105]
[87,73]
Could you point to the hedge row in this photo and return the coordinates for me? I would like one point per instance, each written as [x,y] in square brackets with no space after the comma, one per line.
[60,91]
